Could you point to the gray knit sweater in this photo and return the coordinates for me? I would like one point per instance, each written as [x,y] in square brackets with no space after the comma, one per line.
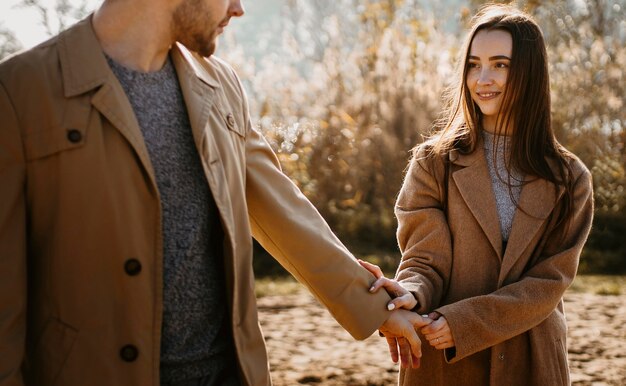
[195,339]
[500,178]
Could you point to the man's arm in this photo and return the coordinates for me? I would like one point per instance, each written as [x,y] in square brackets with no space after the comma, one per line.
[294,233]
[290,228]
[12,246]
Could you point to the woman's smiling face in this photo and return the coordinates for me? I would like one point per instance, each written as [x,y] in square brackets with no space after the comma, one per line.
[488,68]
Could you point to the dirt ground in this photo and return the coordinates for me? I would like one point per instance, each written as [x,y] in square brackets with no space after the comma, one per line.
[306,346]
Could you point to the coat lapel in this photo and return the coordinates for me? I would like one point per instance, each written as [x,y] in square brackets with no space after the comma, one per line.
[85,69]
[536,202]
[474,184]
[200,91]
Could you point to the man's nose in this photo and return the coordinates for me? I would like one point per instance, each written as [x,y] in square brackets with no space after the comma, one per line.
[236,9]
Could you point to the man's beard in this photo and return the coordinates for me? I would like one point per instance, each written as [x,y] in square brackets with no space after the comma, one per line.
[203,44]
[191,31]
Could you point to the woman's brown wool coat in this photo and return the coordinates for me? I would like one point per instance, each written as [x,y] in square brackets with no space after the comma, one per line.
[504,308]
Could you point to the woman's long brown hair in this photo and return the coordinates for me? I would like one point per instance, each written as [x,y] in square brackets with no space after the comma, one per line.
[525,106]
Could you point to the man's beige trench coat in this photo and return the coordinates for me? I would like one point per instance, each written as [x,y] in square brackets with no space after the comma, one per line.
[79,208]
[504,308]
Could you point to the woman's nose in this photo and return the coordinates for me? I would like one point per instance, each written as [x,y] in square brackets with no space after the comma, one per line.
[485,76]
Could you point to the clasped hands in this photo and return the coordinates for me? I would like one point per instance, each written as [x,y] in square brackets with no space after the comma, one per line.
[400,328]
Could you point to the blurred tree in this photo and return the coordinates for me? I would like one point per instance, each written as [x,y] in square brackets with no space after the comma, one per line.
[8,43]
[59,16]
[54,17]
[587,41]
[355,86]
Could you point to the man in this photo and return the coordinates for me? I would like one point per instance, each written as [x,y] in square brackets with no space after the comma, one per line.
[131,184]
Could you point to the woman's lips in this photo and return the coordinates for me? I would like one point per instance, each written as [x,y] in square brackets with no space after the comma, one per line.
[485,96]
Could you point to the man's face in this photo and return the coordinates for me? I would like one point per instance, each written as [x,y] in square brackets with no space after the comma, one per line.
[197,23]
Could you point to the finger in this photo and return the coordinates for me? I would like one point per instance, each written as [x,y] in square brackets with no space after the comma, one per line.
[406,301]
[447,345]
[434,327]
[435,339]
[378,284]
[419,321]
[437,330]
[443,345]
[373,268]
[434,315]
[406,353]
[393,288]
[414,343]
[441,342]
[416,361]
[393,348]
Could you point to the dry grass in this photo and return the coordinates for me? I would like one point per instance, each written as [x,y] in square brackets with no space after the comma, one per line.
[599,284]
[268,286]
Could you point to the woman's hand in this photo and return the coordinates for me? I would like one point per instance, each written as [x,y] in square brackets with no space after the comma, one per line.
[401,297]
[438,333]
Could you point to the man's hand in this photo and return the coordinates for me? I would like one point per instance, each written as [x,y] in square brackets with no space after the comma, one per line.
[400,328]
[401,297]
[400,331]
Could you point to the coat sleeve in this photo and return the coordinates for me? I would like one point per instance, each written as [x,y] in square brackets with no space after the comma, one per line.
[289,227]
[12,246]
[478,323]
[423,233]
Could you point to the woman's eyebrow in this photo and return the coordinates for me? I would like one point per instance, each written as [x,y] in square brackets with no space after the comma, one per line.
[497,57]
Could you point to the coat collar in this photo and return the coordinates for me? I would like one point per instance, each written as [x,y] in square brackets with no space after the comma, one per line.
[83,64]
[462,159]
[85,69]
[191,63]
[474,184]
[200,89]
[537,200]
[198,86]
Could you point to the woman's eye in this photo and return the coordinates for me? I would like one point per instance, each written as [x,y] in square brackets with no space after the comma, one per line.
[502,65]
[472,65]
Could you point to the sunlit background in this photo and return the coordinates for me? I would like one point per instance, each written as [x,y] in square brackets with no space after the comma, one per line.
[343,89]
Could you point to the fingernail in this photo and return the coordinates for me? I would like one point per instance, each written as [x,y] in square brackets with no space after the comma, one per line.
[372,289]
[391,306]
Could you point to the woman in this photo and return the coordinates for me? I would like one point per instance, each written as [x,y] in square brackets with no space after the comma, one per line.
[493,214]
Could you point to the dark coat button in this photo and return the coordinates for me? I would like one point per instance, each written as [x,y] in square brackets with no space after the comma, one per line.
[129,353]
[230,120]
[74,136]
[132,267]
